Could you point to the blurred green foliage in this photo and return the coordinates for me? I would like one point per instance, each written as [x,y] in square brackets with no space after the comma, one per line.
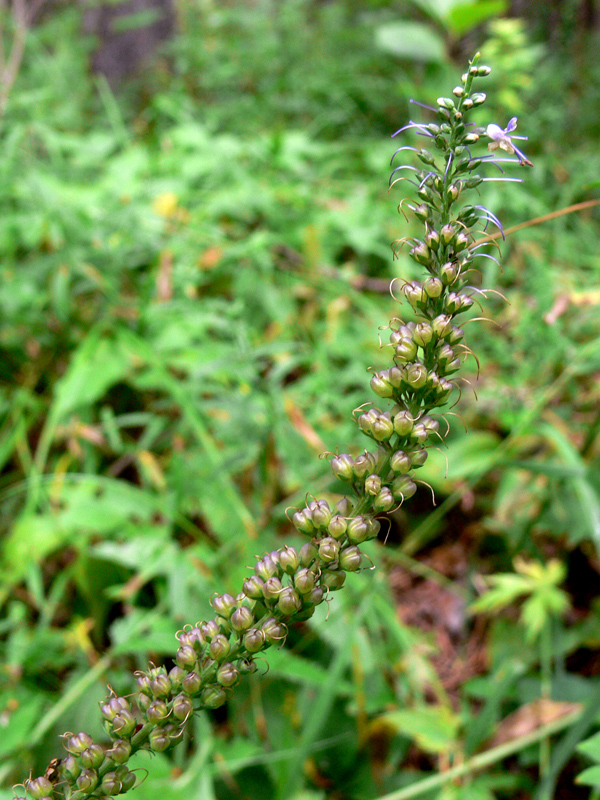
[193,271]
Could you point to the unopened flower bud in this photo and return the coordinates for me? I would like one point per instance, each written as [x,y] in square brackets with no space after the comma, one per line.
[433,287]
[420,253]
[449,272]
[478,98]
[442,325]
[432,240]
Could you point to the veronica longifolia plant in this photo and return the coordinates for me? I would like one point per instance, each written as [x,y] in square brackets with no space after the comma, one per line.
[289,583]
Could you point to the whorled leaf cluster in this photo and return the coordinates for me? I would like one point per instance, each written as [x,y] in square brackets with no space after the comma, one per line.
[288,584]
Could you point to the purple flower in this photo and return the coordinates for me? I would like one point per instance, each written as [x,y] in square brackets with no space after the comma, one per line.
[501,139]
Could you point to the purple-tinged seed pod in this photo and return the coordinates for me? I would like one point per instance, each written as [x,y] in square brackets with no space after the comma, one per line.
[223,604]
[344,506]
[272,589]
[373,485]
[350,558]
[87,781]
[254,640]
[113,706]
[93,756]
[397,374]
[40,787]
[228,675]
[242,619]
[418,457]
[342,466]
[381,386]
[329,548]
[186,656]
[289,602]
[78,743]
[182,707]
[275,632]
[403,487]
[219,647]
[253,587]
[120,751]
[270,566]
[358,529]
[433,287]
[209,630]
[305,580]
[144,682]
[432,425]
[213,697]
[302,521]
[432,240]
[422,212]
[421,253]
[191,684]
[161,685]
[315,596]
[383,501]
[334,580]
[449,273]
[308,554]
[144,701]
[157,711]
[159,740]
[374,527]
[400,462]
[419,433]
[383,427]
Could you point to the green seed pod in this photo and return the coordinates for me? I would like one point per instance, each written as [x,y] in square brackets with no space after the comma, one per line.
[127,778]
[161,685]
[275,632]
[110,784]
[210,629]
[416,375]
[383,502]
[329,548]
[334,580]
[302,522]
[358,530]
[228,675]
[315,597]
[461,241]
[144,702]
[272,589]
[426,157]
[254,640]
[442,325]
[403,423]
[422,211]
[418,457]
[321,514]
[219,647]
[305,581]
[383,427]
[159,740]
[403,487]
[364,465]
[87,781]
[182,707]
[92,757]
[242,619]
[350,559]
[448,233]
[112,706]
[449,272]
[421,253]
[400,462]
[433,287]
[432,240]
[191,684]
[289,602]
[176,675]
[71,767]
[381,386]
[157,711]
[186,656]
[213,697]
[308,554]
[144,684]
[373,485]
[253,587]
[406,350]
[337,526]
[423,334]
[247,666]
[419,433]
[120,751]
[40,787]
[342,466]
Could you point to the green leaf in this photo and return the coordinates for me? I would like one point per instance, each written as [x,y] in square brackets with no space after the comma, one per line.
[591,747]
[434,728]
[467,16]
[411,41]
[589,776]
